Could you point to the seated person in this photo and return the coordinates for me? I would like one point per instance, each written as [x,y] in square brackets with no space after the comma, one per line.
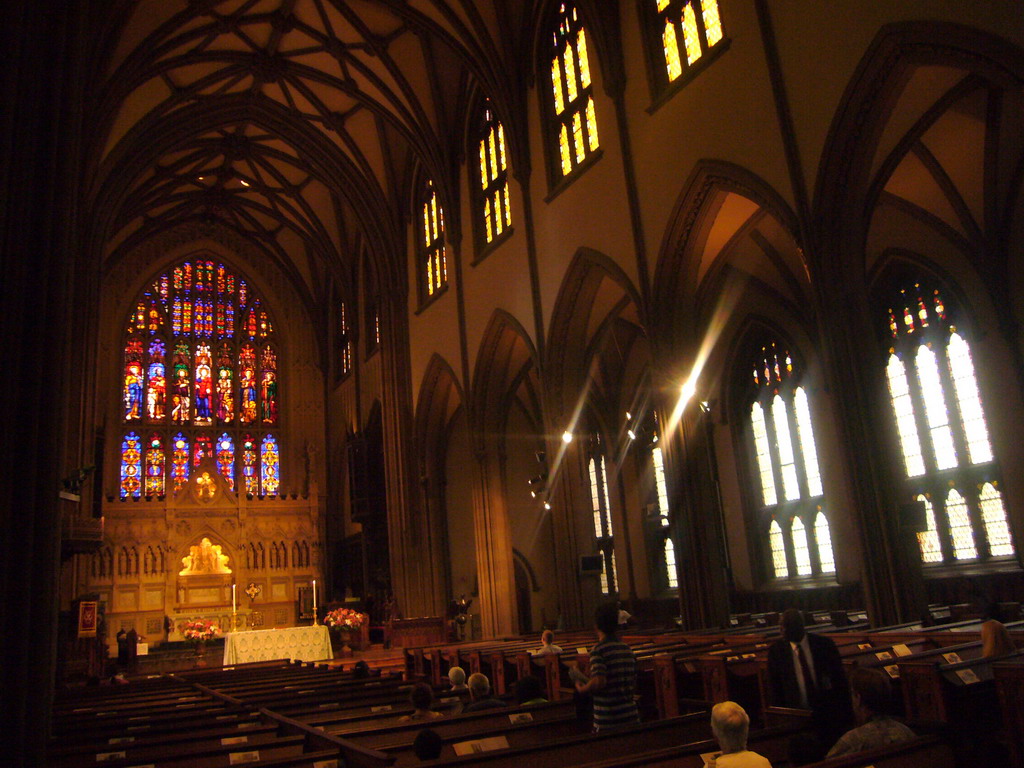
[547,640]
[361,670]
[528,690]
[872,702]
[995,639]
[422,697]
[480,694]
[457,678]
[427,745]
[730,725]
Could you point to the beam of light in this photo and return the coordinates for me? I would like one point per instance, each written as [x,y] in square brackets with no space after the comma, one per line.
[727,301]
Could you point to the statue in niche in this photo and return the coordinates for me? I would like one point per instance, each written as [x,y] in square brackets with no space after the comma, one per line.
[203,558]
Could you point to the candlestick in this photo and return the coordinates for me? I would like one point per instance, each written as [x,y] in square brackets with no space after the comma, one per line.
[234,604]
[314,602]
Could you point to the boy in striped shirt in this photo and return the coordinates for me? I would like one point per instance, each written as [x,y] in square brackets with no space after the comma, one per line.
[612,681]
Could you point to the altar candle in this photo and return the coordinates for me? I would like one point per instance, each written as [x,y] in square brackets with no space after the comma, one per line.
[314,597]
[234,605]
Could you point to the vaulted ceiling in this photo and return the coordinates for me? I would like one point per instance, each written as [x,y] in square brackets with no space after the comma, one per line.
[299,123]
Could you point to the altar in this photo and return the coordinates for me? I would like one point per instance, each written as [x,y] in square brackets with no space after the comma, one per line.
[302,643]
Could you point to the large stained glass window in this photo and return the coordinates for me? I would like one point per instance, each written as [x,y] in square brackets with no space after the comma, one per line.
[199,366]
[572,91]
[434,261]
[688,30]
[344,340]
[663,534]
[493,191]
[602,516]
[941,429]
[784,456]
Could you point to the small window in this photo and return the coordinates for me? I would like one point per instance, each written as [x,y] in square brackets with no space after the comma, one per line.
[492,182]
[686,31]
[344,340]
[602,518]
[433,260]
[572,91]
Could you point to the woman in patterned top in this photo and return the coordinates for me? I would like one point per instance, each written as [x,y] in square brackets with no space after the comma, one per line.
[612,681]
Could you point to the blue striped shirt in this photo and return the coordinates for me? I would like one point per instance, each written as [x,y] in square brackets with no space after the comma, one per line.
[614,704]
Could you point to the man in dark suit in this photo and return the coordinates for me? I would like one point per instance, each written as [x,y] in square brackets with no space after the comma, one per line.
[805,671]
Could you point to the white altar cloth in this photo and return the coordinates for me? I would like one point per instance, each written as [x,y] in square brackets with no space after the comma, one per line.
[303,643]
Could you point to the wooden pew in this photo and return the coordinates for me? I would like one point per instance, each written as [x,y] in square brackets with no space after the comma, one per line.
[1008,675]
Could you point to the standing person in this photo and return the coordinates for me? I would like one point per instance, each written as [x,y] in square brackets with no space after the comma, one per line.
[805,671]
[122,649]
[612,681]
[730,725]
[547,644]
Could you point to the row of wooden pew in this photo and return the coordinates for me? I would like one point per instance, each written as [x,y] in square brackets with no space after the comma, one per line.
[318,716]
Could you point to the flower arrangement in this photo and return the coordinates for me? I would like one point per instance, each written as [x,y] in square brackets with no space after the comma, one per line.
[200,630]
[345,618]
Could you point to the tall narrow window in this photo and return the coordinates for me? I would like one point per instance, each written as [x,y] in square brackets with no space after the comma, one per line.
[344,340]
[493,179]
[688,30]
[271,478]
[199,366]
[784,457]
[572,89]
[434,264]
[668,548]
[941,427]
[602,518]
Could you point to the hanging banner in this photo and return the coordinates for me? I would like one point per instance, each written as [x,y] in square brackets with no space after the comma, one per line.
[87,616]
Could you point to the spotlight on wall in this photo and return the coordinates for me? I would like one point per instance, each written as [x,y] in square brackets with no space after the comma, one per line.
[537,484]
[541,456]
[705,406]
[629,416]
[567,437]
[547,505]
[631,433]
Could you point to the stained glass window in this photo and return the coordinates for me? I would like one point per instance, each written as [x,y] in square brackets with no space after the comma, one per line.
[131,466]
[697,23]
[661,493]
[497,214]
[155,460]
[199,355]
[270,466]
[778,548]
[226,458]
[801,551]
[785,454]
[933,387]
[250,474]
[344,340]
[572,90]
[433,259]
[602,518]
[823,536]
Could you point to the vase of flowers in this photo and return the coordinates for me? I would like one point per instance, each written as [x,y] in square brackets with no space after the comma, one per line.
[198,632]
[345,621]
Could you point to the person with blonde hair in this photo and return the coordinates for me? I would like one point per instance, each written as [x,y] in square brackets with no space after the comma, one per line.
[730,726]
[457,678]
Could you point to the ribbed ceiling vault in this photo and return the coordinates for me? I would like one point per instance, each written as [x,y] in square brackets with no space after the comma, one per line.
[298,123]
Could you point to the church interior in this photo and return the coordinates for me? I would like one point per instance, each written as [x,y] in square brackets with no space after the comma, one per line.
[708,307]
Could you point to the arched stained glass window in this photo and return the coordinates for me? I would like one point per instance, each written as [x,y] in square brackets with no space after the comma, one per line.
[602,518]
[688,30]
[433,260]
[131,466]
[663,528]
[941,428]
[785,458]
[778,547]
[270,466]
[179,461]
[250,473]
[155,460]
[493,179]
[344,340]
[823,537]
[200,354]
[226,458]
[572,90]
